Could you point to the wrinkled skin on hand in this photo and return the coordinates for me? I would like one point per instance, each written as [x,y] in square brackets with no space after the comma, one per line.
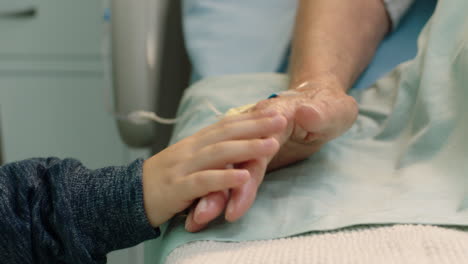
[315,116]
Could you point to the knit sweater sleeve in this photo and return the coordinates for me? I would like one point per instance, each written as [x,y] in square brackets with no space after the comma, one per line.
[58,211]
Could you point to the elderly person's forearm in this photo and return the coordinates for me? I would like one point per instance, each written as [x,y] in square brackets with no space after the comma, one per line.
[334,40]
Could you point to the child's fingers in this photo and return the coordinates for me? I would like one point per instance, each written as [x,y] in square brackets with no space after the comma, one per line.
[217,156]
[249,115]
[244,129]
[204,182]
[236,118]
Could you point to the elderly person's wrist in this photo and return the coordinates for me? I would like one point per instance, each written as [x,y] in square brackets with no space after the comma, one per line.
[322,82]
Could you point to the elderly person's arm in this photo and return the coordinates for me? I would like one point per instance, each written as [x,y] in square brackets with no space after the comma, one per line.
[334,41]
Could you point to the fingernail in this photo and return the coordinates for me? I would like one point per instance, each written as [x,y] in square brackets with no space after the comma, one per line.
[202,207]
[230,209]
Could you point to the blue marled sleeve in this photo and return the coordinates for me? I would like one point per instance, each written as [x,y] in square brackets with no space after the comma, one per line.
[58,211]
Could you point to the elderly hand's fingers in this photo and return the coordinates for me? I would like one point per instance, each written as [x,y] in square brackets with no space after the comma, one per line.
[245,129]
[201,183]
[200,216]
[243,197]
[325,120]
[210,206]
[241,200]
[308,125]
[219,155]
[191,225]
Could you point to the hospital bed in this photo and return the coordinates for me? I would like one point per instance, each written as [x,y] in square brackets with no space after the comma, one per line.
[150,66]
[137,81]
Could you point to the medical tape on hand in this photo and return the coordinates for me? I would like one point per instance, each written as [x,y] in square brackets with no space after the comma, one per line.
[247,107]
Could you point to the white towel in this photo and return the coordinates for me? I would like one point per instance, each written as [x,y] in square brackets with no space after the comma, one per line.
[400,244]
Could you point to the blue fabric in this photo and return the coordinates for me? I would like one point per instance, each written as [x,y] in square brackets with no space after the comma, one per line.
[242,36]
[403,161]
[398,46]
[57,211]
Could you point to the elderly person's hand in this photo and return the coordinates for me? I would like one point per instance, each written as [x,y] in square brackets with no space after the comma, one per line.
[333,43]
[316,113]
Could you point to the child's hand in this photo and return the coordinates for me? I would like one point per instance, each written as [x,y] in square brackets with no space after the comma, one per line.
[196,166]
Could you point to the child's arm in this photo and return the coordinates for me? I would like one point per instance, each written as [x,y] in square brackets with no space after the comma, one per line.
[58,211]
[55,210]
